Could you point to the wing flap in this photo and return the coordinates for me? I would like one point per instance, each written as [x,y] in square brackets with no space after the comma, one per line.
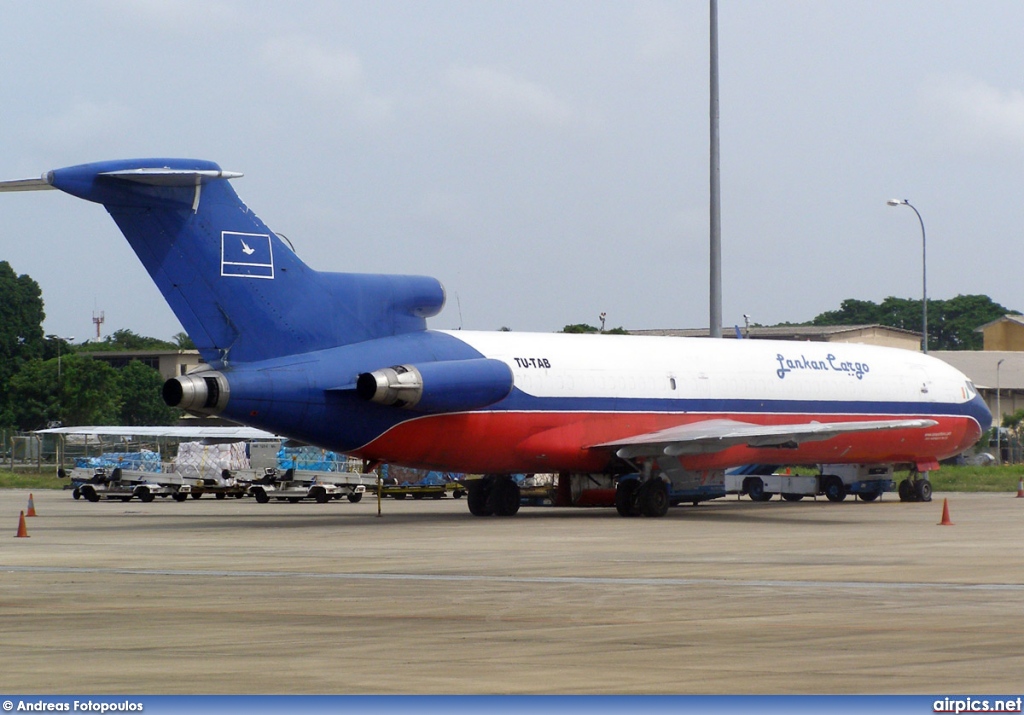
[716,435]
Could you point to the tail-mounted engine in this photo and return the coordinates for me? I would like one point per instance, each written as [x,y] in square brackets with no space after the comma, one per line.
[445,386]
[204,392]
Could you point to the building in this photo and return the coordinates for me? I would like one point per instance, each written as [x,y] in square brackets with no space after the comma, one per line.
[1002,334]
[866,334]
[170,363]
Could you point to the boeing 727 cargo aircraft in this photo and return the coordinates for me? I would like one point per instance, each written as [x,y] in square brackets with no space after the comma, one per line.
[345,361]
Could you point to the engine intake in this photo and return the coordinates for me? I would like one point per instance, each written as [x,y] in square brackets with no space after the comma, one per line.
[444,386]
[205,392]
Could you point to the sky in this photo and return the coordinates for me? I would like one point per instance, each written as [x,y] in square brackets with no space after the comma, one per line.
[547,161]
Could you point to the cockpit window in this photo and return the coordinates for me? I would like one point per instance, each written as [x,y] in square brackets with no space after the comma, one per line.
[971,391]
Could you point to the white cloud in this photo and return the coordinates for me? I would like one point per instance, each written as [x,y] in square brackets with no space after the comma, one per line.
[324,73]
[975,115]
[510,97]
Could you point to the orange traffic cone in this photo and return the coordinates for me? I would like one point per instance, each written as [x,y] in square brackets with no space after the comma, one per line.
[945,514]
[22,531]
[31,506]
[1020,489]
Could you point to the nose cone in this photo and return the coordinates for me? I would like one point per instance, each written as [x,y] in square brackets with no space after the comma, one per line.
[977,409]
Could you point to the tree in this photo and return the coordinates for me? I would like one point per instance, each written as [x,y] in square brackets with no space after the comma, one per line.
[584,328]
[126,339]
[140,393]
[74,390]
[951,323]
[21,331]
[183,341]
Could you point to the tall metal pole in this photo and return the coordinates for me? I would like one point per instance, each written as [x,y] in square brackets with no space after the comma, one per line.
[999,417]
[924,272]
[716,203]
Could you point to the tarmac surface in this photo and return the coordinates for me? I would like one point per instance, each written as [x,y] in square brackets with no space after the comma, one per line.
[732,596]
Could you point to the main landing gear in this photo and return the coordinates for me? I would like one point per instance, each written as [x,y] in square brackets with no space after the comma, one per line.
[917,488]
[636,498]
[493,495]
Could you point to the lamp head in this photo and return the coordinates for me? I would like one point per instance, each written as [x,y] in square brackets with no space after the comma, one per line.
[896,202]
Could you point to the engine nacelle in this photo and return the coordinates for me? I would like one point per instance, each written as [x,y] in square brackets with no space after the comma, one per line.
[204,392]
[445,386]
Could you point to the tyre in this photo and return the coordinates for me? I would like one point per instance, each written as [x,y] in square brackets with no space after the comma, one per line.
[294,500]
[625,497]
[505,497]
[399,495]
[457,494]
[128,498]
[835,490]
[792,497]
[654,498]
[480,497]
[755,490]
[180,496]
[906,491]
[145,495]
[261,496]
[75,494]
[417,495]
[870,496]
[196,495]
[355,497]
[923,490]
[321,496]
[220,495]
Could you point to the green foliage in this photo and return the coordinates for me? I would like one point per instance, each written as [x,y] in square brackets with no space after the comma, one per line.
[951,323]
[140,392]
[21,331]
[584,328]
[126,340]
[183,341]
[72,390]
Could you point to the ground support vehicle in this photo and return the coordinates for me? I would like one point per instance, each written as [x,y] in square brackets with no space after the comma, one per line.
[761,482]
[228,484]
[95,484]
[423,491]
[296,485]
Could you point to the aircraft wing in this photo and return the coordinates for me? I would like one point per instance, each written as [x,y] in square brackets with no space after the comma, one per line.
[715,435]
[238,433]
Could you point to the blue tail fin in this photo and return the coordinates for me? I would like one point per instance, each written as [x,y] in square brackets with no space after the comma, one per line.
[238,290]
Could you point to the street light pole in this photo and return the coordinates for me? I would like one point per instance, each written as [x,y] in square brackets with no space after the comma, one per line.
[999,417]
[924,272]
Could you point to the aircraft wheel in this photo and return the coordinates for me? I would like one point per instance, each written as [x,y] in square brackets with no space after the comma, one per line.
[625,497]
[870,496]
[354,497]
[906,491]
[505,497]
[480,497]
[923,490]
[835,490]
[653,498]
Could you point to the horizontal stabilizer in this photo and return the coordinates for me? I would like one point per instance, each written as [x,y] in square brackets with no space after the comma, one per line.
[171,177]
[715,435]
[41,184]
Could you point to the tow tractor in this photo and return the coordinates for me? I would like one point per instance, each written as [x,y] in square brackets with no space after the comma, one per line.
[296,485]
[835,481]
[95,484]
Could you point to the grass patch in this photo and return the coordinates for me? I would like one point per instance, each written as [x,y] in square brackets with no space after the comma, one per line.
[30,480]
